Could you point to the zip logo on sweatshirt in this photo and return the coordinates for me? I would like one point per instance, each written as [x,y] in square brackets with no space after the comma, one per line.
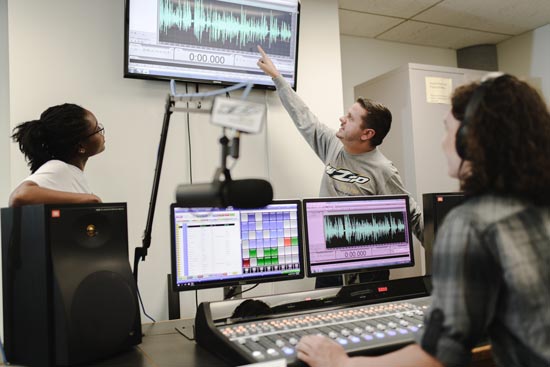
[345,175]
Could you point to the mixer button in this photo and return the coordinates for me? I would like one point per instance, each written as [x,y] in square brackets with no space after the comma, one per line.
[258,355]
[333,334]
[272,352]
[381,327]
[392,324]
[279,343]
[288,351]
[358,330]
[342,341]
[367,337]
[345,332]
[293,341]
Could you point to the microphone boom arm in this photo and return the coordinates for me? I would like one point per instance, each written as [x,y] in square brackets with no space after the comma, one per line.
[170,106]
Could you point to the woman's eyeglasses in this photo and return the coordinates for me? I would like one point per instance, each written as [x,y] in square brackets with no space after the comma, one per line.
[100,130]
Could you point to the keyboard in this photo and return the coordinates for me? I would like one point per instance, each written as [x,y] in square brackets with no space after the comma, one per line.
[366,329]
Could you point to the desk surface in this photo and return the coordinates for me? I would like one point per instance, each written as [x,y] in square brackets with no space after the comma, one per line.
[163,346]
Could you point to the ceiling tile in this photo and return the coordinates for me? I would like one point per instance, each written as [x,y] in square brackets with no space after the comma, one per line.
[364,25]
[500,16]
[419,33]
[395,8]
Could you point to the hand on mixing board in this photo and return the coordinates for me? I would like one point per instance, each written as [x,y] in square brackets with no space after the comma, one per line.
[320,351]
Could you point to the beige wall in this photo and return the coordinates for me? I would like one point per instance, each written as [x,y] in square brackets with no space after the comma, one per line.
[364,59]
[528,56]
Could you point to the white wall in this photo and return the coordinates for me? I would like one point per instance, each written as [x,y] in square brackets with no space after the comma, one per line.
[4,123]
[72,51]
[364,59]
[4,105]
[528,56]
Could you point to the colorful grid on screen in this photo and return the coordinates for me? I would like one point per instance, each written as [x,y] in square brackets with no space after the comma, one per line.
[270,241]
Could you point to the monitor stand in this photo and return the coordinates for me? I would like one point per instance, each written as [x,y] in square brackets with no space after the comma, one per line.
[186,327]
[232,292]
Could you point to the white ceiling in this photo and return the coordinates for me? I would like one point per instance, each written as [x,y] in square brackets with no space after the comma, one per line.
[442,23]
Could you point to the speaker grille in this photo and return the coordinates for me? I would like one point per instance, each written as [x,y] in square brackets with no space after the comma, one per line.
[103,313]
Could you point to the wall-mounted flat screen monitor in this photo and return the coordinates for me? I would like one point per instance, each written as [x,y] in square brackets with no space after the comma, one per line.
[357,233]
[218,247]
[210,41]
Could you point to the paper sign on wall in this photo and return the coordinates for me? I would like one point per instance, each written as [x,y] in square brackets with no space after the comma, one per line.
[438,90]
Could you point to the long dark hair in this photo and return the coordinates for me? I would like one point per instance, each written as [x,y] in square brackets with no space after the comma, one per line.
[508,140]
[54,136]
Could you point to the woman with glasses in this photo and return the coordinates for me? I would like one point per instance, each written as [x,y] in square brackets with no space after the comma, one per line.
[57,147]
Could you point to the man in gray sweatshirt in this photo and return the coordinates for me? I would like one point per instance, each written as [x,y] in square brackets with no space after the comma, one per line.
[353,163]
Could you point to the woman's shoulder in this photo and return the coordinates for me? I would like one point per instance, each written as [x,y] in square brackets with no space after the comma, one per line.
[52,165]
[485,210]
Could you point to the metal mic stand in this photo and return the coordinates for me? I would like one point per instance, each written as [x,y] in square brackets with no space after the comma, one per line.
[141,252]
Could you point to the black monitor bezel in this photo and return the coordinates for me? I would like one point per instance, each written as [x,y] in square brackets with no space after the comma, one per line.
[308,265]
[224,83]
[237,281]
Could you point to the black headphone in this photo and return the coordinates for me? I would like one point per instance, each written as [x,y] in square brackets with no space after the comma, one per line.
[471,109]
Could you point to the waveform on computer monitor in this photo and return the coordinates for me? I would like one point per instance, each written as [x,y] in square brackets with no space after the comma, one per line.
[224,25]
[364,229]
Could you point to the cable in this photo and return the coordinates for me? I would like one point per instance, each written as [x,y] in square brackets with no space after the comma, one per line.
[267,145]
[189,137]
[142,306]
[231,295]
[196,299]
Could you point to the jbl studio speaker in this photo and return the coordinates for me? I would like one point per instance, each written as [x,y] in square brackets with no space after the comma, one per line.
[435,208]
[68,291]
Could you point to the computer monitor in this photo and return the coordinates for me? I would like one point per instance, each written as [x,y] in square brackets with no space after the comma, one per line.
[218,247]
[357,233]
[211,41]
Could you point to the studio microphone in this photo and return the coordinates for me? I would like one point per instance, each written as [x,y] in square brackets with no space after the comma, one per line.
[245,194]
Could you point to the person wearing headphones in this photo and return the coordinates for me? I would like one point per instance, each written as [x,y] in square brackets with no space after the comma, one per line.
[57,147]
[490,274]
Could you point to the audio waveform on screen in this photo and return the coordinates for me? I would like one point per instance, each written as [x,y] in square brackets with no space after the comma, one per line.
[224,25]
[364,229]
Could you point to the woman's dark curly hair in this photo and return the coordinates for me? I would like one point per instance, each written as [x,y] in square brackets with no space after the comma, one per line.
[54,136]
[507,140]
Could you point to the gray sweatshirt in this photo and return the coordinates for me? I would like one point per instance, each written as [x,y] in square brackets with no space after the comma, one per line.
[346,174]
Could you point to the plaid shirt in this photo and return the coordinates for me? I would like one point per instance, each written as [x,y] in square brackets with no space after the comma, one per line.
[491,279]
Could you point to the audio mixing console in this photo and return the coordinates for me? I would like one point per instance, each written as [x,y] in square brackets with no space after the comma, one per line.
[370,328]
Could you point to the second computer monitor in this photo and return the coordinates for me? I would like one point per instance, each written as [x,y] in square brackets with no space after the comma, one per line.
[357,233]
